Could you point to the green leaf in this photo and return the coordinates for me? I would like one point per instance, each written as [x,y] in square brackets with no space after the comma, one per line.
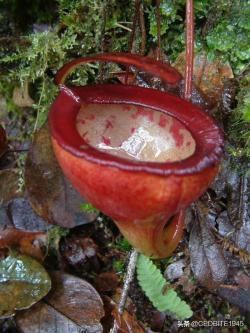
[152,282]
[23,282]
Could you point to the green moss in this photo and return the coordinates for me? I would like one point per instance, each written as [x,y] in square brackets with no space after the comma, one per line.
[123,245]
[239,132]
[119,266]
[54,236]
[88,208]
[78,28]
[218,25]
[230,37]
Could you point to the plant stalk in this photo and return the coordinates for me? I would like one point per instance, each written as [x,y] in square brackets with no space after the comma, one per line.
[189,49]
[128,279]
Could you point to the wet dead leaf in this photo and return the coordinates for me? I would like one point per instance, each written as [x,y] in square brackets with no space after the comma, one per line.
[126,323]
[209,76]
[207,261]
[234,221]
[22,228]
[86,306]
[237,296]
[106,281]
[23,282]
[49,192]
[29,243]
[43,318]
[23,216]
[73,306]
[242,236]
[9,185]
[3,141]
[242,280]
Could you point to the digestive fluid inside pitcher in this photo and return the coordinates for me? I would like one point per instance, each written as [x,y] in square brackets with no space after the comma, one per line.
[134,132]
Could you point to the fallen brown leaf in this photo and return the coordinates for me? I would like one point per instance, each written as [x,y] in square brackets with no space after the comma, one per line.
[73,306]
[237,296]
[23,282]
[80,295]
[209,75]
[29,243]
[22,229]
[9,185]
[23,216]
[49,192]
[126,323]
[242,280]
[43,318]
[106,281]
[207,261]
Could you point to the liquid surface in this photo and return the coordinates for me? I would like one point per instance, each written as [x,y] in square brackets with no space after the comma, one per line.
[134,132]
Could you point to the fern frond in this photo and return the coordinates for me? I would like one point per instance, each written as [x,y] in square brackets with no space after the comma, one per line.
[152,282]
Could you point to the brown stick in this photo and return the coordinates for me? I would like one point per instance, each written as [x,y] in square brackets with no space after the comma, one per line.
[132,35]
[143,30]
[103,29]
[158,21]
[134,25]
[189,49]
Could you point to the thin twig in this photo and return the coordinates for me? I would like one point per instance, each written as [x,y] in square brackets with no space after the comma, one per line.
[158,20]
[143,29]
[243,204]
[123,27]
[17,150]
[102,41]
[134,25]
[132,35]
[128,279]
[189,49]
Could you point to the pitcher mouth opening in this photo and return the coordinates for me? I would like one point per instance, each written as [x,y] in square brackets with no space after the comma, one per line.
[134,132]
[135,129]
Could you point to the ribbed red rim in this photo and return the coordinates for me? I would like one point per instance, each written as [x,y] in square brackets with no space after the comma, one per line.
[207,135]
